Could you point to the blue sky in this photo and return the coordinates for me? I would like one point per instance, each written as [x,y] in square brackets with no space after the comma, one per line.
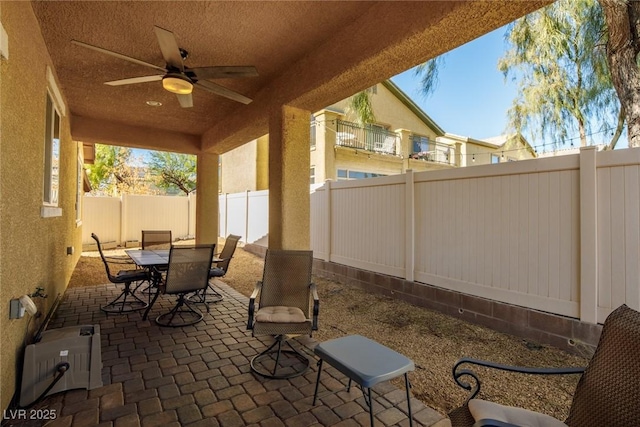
[472,97]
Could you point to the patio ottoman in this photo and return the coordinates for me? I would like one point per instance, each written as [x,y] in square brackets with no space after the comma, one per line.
[366,362]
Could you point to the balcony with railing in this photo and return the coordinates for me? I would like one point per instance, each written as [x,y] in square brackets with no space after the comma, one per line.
[369,137]
[431,151]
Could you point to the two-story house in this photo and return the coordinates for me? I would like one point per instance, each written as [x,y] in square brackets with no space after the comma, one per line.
[403,137]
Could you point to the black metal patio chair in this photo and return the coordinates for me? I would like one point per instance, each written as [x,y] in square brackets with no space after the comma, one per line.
[218,269]
[607,393]
[156,239]
[188,272]
[287,305]
[126,301]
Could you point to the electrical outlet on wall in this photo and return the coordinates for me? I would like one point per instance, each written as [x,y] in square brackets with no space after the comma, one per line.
[15,309]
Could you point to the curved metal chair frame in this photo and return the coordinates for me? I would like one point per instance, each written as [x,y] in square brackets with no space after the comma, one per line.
[188,272]
[127,301]
[607,392]
[287,305]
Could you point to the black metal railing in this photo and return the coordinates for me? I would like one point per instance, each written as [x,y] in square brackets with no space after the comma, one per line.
[367,137]
[436,152]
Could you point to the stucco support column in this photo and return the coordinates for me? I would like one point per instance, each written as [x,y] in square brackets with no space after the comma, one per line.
[207,199]
[325,152]
[458,154]
[405,149]
[289,212]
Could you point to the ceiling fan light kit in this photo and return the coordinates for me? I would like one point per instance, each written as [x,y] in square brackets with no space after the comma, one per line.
[180,79]
[177,83]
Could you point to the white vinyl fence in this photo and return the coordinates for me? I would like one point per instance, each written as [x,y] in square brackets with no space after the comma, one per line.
[122,219]
[558,234]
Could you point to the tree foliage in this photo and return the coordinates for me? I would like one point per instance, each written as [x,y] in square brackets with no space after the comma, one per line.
[558,59]
[360,103]
[623,54]
[174,171]
[114,172]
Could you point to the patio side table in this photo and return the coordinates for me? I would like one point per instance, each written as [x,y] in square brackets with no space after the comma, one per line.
[366,362]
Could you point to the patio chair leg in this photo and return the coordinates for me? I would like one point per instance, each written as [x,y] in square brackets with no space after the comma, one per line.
[205,297]
[182,306]
[275,365]
[268,354]
[121,305]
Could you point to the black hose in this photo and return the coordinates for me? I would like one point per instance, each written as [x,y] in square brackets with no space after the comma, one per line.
[62,369]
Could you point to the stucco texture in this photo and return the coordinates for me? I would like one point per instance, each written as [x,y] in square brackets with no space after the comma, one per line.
[32,248]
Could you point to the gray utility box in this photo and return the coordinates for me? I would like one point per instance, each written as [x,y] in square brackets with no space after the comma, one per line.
[77,345]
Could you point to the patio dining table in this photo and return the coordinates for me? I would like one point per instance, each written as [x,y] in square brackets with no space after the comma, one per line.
[154,260]
[148,258]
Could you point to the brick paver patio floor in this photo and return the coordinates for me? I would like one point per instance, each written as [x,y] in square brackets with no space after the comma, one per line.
[200,376]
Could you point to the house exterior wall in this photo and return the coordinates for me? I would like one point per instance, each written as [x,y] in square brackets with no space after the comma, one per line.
[33,249]
[476,152]
[240,178]
[390,111]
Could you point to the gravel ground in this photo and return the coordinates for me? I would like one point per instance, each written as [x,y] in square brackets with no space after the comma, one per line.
[432,340]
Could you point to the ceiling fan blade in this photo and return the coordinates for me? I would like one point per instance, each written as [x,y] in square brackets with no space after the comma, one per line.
[185,101]
[169,48]
[222,72]
[143,79]
[118,55]
[222,91]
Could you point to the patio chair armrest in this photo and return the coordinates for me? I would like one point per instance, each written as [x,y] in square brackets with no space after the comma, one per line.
[316,306]
[252,304]
[458,372]
[118,260]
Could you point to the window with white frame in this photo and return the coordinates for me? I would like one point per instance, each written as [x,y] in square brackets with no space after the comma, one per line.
[345,174]
[51,184]
[495,159]
[312,134]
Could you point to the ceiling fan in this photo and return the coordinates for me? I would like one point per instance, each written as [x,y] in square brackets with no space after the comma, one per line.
[178,78]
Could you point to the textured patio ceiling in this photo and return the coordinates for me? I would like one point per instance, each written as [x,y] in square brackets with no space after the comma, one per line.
[308,54]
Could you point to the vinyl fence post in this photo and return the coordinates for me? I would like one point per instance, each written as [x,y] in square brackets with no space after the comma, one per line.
[247,212]
[124,220]
[327,220]
[409,212]
[588,236]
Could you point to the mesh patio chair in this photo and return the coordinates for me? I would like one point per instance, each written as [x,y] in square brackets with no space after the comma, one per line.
[607,393]
[188,272]
[127,301]
[156,239]
[287,306]
[218,269]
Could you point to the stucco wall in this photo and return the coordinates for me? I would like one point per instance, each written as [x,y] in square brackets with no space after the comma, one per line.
[389,111]
[32,248]
[239,168]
